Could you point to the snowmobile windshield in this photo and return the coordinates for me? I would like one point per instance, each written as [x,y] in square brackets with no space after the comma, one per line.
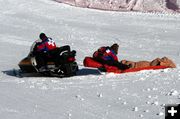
[34,44]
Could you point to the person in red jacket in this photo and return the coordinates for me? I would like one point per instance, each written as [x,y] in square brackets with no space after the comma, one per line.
[46,45]
[45,49]
[108,55]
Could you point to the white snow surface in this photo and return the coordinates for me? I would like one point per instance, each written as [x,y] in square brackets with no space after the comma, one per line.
[170,6]
[90,95]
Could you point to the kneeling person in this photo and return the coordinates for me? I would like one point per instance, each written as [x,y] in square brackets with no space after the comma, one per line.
[108,55]
[43,49]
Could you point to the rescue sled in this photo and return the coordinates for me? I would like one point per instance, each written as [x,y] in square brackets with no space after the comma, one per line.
[90,62]
[67,68]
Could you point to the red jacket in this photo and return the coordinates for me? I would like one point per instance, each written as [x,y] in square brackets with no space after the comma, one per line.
[46,45]
[110,55]
[105,53]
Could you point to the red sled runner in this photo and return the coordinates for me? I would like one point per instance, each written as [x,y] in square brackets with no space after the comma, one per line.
[90,62]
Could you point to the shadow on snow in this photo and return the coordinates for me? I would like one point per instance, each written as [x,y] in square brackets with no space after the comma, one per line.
[18,73]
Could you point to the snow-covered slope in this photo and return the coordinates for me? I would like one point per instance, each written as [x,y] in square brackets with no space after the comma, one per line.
[90,95]
[128,5]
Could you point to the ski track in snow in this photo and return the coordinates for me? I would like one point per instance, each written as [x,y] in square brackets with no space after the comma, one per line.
[142,36]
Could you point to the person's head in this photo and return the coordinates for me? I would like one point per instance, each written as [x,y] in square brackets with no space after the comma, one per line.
[115,48]
[42,36]
[167,62]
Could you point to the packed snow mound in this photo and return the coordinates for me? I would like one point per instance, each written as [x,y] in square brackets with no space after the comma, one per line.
[128,5]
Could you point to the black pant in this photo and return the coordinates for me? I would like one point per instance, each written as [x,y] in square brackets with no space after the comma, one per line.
[112,63]
[41,59]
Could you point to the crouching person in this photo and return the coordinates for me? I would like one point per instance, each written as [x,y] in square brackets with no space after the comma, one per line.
[108,55]
[42,50]
[45,50]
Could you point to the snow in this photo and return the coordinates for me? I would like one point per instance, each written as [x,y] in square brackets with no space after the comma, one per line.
[90,95]
[170,6]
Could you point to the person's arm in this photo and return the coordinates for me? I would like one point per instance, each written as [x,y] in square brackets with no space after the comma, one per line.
[42,47]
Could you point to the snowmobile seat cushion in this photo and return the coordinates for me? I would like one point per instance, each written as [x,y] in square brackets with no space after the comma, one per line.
[69,56]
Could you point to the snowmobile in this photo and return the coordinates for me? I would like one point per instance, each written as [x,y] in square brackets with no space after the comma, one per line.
[68,66]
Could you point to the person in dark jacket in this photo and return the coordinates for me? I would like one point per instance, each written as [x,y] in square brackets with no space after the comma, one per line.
[108,55]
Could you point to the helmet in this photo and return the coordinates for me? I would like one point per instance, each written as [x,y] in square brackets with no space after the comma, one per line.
[42,36]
